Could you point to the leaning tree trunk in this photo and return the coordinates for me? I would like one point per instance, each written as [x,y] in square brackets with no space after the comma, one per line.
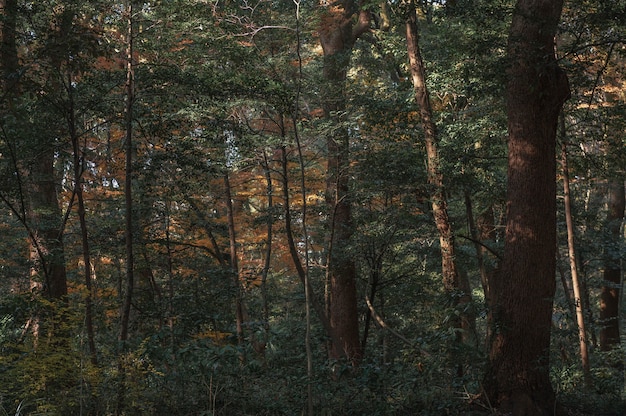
[517,377]
[457,288]
[573,262]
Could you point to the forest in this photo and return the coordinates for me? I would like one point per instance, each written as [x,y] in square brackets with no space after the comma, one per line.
[312,207]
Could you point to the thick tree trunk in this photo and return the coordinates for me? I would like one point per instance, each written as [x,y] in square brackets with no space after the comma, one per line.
[455,285]
[48,255]
[610,295]
[517,378]
[338,33]
[41,214]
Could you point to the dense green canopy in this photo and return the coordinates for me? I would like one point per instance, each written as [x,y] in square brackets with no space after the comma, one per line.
[263,163]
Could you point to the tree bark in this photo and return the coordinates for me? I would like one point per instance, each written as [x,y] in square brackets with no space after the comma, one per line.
[308,294]
[569,221]
[234,262]
[47,253]
[456,286]
[517,378]
[128,181]
[610,294]
[78,191]
[483,229]
[293,252]
[128,214]
[41,214]
[340,25]
[267,262]
[8,46]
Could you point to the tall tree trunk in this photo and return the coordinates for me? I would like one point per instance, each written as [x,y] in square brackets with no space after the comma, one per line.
[8,46]
[267,262]
[37,208]
[78,191]
[338,31]
[517,377]
[48,254]
[569,221]
[480,249]
[128,215]
[308,295]
[234,262]
[483,229]
[42,215]
[128,180]
[171,310]
[610,294]
[293,252]
[456,285]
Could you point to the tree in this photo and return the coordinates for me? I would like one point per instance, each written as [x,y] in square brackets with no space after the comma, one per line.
[590,43]
[253,74]
[517,377]
[34,156]
[457,287]
[234,261]
[610,295]
[576,285]
[8,47]
[78,162]
[609,315]
[340,26]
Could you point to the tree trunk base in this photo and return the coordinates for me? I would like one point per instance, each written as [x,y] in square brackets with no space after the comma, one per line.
[522,403]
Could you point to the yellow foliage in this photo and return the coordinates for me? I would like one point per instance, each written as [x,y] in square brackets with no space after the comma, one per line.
[217,337]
